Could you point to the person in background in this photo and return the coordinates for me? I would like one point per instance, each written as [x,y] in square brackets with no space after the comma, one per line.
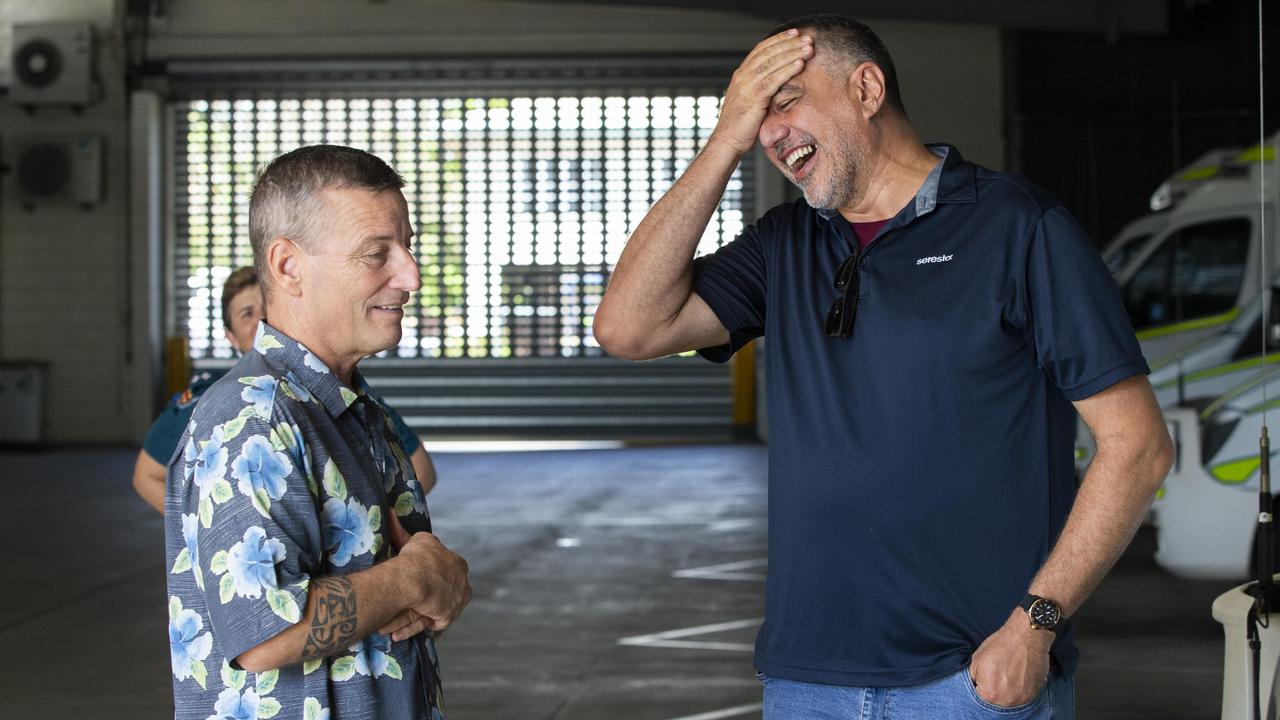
[241,311]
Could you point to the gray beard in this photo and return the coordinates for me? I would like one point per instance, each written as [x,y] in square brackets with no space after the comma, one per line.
[847,162]
[840,191]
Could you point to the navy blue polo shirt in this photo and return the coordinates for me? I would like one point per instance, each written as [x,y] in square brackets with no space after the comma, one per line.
[919,470]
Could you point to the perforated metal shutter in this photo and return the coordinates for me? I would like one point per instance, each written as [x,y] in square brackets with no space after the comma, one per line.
[524,180]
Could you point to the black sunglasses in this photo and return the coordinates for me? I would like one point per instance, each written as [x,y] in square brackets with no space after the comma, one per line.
[840,316]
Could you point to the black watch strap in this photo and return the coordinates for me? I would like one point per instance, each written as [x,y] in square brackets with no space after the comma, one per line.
[1044,614]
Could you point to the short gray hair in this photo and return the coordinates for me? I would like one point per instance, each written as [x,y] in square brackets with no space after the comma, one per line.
[852,42]
[285,200]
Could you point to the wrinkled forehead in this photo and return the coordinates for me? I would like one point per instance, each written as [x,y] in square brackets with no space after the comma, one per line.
[813,79]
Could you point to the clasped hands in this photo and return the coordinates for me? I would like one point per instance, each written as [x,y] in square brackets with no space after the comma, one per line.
[435,580]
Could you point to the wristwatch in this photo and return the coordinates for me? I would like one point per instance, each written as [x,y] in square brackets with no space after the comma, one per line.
[1044,613]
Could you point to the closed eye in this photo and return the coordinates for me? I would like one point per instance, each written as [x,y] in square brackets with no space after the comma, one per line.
[786,96]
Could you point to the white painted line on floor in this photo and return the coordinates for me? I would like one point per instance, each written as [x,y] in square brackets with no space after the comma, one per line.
[725,571]
[735,711]
[734,524]
[669,638]
[692,645]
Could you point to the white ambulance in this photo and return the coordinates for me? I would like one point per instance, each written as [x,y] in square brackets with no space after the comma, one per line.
[1195,294]
[1190,276]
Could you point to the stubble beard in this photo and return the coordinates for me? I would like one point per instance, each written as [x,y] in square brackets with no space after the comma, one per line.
[845,160]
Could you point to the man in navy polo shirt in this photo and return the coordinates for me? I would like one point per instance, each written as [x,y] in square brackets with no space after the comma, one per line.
[931,325]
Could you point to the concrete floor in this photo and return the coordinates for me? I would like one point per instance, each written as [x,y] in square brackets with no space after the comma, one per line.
[576,614]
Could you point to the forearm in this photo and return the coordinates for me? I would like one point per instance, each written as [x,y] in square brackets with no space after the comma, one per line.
[149,480]
[424,469]
[1109,507]
[341,610]
[654,276]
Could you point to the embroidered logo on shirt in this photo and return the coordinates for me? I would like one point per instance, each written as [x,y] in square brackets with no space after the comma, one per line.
[934,259]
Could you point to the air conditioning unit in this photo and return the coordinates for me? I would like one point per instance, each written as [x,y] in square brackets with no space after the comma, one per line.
[52,64]
[58,169]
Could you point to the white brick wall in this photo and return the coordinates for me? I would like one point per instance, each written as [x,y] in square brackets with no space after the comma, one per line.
[62,268]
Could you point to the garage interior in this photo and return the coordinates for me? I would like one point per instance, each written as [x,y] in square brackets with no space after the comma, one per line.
[613,513]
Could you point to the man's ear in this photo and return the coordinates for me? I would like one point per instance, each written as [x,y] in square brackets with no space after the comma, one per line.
[285,264]
[867,88]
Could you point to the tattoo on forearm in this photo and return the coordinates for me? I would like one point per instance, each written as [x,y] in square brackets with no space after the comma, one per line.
[333,626]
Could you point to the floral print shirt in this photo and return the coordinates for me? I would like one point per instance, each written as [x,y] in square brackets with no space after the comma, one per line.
[286,474]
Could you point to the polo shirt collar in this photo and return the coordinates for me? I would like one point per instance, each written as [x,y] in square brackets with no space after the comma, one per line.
[950,181]
[299,366]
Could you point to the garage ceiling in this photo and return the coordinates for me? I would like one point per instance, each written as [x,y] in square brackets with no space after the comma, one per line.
[1108,17]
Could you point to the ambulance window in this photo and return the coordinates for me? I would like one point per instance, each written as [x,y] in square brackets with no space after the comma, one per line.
[1146,295]
[1196,272]
[1119,258]
[1252,343]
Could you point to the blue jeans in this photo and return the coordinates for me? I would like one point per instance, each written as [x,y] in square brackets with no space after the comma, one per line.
[952,697]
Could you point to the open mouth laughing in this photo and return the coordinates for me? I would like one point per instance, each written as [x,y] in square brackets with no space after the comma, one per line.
[799,158]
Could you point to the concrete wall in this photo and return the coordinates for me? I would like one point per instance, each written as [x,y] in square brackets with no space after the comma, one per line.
[77,287]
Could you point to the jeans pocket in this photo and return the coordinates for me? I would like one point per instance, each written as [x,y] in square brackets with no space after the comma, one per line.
[1000,710]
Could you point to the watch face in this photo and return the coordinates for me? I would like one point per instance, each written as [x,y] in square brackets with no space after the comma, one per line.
[1045,613]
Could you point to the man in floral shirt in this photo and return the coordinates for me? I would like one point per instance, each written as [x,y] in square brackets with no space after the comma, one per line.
[304,580]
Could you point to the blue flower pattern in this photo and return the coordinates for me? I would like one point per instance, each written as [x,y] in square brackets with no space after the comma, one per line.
[232,705]
[210,464]
[254,550]
[190,537]
[372,655]
[296,388]
[252,562]
[188,645]
[346,528]
[259,467]
[261,393]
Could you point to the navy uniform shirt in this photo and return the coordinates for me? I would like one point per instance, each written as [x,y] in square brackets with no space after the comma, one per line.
[162,436]
[920,469]
[285,475]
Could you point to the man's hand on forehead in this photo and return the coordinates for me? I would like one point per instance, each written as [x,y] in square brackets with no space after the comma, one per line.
[765,70]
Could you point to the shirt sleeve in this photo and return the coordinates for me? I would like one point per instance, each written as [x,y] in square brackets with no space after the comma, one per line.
[256,519]
[162,437]
[733,281]
[1083,339]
